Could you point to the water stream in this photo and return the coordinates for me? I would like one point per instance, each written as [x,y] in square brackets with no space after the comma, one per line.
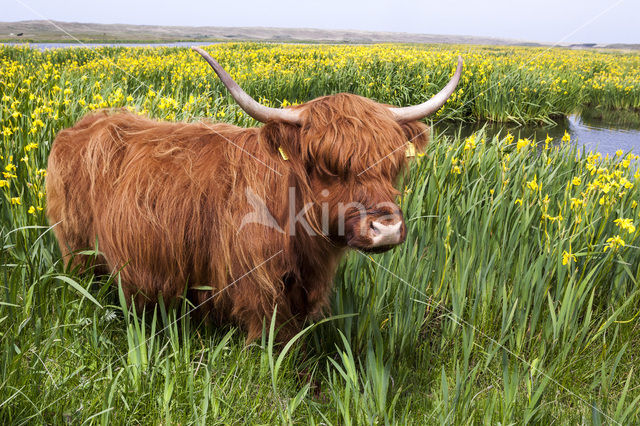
[604,132]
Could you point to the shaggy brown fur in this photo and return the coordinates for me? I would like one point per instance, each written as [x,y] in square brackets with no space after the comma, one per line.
[164,201]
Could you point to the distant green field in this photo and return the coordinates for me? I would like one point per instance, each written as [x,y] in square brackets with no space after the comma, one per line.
[515,298]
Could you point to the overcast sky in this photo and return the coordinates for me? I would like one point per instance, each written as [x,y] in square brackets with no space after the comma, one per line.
[600,21]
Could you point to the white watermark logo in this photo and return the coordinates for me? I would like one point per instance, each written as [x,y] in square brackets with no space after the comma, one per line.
[349,217]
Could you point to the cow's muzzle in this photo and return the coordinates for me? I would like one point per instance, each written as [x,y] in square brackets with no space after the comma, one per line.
[377,234]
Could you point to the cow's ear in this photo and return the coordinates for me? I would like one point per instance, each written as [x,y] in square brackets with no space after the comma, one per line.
[417,133]
[282,138]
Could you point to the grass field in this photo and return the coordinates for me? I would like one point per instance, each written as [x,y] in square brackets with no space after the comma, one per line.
[513,300]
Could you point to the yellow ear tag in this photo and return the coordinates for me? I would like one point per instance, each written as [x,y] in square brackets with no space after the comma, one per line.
[411,150]
[282,153]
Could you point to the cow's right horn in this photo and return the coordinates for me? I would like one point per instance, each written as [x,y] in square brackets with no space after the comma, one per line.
[246,102]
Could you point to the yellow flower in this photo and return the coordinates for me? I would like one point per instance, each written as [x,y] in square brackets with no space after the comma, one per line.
[634,204]
[518,201]
[625,224]
[566,137]
[509,138]
[4,183]
[30,146]
[614,242]
[523,143]
[576,181]
[533,184]
[455,167]
[552,218]
[619,153]
[576,202]
[470,143]
[547,141]
[15,200]
[568,257]
[32,210]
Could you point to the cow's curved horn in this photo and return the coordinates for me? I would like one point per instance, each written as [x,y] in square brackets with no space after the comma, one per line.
[246,102]
[417,112]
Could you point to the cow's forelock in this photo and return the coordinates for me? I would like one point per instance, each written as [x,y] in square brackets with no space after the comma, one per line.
[345,135]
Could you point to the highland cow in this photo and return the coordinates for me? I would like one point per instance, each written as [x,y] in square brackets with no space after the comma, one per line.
[241,220]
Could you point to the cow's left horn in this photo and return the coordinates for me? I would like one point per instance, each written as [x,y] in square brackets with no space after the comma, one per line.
[246,102]
[417,112]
